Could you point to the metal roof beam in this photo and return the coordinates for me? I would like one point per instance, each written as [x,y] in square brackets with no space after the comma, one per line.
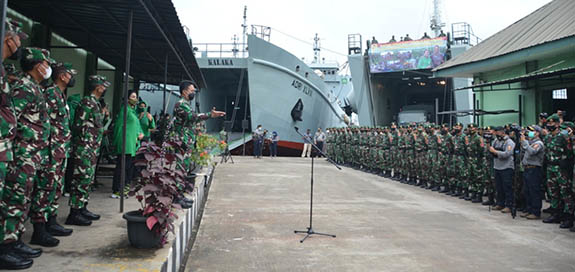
[178,56]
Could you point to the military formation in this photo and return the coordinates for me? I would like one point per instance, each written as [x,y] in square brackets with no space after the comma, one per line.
[468,162]
[43,141]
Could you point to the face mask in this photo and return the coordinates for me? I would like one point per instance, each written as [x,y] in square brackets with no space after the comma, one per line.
[191,96]
[16,55]
[531,134]
[71,83]
[551,128]
[443,132]
[456,131]
[565,133]
[499,137]
[47,73]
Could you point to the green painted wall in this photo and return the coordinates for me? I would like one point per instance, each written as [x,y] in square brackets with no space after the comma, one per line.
[536,98]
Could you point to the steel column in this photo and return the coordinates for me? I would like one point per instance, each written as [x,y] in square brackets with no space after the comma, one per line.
[165,83]
[125,104]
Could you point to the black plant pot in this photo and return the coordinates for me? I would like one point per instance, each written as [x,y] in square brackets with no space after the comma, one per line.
[138,233]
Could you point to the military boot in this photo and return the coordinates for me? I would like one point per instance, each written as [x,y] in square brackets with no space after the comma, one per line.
[549,210]
[553,219]
[450,190]
[11,260]
[423,183]
[469,197]
[572,229]
[88,214]
[456,192]
[567,222]
[76,218]
[42,238]
[489,201]
[56,229]
[24,250]
[478,198]
[444,190]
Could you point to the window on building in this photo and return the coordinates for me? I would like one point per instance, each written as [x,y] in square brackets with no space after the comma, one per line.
[560,94]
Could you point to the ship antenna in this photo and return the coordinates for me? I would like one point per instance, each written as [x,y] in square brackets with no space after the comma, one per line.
[245,27]
[316,49]
[436,23]
[235,49]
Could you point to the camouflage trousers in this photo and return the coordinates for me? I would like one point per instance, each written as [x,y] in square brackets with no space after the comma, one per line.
[17,191]
[411,164]
[84,162]
[386,160]
[559,188]
[433,170]
[457,171]
[475,174]
[375,162]
[443,164]
[393,159]
[421,164]
[43,194]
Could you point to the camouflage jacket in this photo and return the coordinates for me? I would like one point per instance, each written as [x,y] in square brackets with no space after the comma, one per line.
[432,143]
[556,148]
[7,120]
[59,114]
[88,125]
[186,119]
[420,144]
[33,128]
[459,148]
[475,148]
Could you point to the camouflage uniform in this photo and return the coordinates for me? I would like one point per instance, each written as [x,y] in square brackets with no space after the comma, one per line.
[475,152]
[558,184]
[411,157]
[460,170]
[420,147]
[432,159]
[443,162]
[185,121]
[87,132]
[30,138]
[60,137]
[394,150]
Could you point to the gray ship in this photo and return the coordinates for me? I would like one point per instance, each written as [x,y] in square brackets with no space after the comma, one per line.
[266,85]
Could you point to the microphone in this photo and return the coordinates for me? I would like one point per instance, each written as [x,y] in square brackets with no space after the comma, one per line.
[296,128]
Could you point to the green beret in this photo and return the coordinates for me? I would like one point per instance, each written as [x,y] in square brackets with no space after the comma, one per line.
[34,54]
[98,80]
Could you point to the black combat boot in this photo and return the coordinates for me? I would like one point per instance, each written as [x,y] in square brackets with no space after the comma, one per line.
[443,190]
[489,201]
[450,190]
[462,193]
[88,214]
[56,229]
[549,210]
[76,218]
[42,238]
[553,219]
[11,260]
[436,187]
[469,197]
[456,192]
[24,250]
[478,198]
[422,183]
[567,222]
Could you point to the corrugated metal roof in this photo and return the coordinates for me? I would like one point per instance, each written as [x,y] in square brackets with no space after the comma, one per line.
[100,26]
[552,22]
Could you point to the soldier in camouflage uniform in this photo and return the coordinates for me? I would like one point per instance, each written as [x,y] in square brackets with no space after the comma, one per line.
[558,185]
[50,176]
[386,142]
[14,254]
[87,132]
[420,147]
[31,135]
[411,156]
[186,120]
[459,177]
[443,158]
[475,152]
[432,159]
[394,150]
[375,163]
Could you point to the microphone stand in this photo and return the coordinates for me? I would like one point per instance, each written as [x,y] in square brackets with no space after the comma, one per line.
[310,230]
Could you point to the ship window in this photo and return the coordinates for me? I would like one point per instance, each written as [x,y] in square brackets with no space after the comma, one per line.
[297,68]
[560,94]
[306,74]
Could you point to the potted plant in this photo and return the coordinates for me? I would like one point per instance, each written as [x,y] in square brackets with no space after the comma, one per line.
[155,190]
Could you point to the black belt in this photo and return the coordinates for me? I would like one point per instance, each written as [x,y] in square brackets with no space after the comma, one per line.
[531,166]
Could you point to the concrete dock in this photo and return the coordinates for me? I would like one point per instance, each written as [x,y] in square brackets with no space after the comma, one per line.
[254,206]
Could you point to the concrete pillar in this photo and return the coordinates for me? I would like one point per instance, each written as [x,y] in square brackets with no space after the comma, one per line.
[91,69]
[117,87]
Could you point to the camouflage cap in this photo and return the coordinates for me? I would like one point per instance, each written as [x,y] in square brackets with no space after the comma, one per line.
[99,80]
[16,27]
[34,54]
[554,117]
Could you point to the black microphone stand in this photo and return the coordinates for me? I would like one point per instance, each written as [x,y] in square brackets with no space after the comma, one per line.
[310,230]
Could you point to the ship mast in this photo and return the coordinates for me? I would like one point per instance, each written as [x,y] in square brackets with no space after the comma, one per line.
[436,23]
[245,27]
[316,49]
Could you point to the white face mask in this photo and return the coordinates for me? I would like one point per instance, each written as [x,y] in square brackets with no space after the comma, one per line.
[48,73]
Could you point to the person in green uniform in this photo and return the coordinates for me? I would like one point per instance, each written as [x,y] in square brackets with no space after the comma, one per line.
[147,121]
[134,134]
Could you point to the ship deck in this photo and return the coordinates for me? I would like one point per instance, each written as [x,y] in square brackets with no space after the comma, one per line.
[381,225]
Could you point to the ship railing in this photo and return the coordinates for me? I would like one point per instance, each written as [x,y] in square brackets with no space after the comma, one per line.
[220,50]
[462,33]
